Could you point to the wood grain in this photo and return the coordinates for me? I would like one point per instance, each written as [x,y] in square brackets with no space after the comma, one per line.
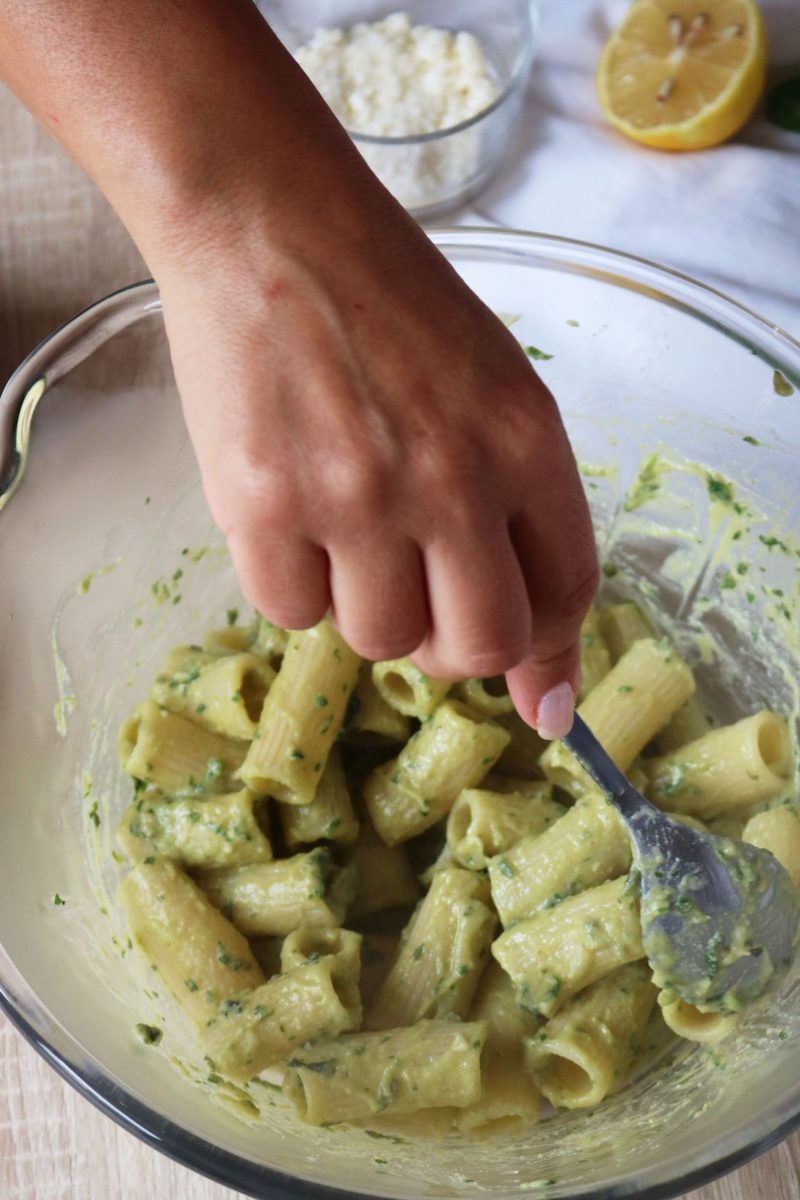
[60,248]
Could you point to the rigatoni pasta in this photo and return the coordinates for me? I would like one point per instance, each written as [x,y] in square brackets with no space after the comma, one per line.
[271,898]
[431,1065]
[200,956]
[201,831]
[582,1054]
[585,847]
[280,886]
[625,710]
[303,713]
[727,770]
[484,823]
[451,751]
[441,956]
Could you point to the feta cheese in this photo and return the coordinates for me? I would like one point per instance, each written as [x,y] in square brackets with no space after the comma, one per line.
[393,79]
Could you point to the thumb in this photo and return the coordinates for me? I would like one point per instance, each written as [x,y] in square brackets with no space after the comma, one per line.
[544,690]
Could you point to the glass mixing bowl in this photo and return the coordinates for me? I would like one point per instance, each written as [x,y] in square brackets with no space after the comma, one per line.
[110,504]
[432,174]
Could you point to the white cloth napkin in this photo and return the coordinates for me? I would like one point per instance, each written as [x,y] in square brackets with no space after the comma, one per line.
[729,216]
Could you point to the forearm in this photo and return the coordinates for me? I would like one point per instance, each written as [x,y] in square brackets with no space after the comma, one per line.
[189,114]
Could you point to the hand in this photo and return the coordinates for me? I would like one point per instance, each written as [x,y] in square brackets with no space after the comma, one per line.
[373,440]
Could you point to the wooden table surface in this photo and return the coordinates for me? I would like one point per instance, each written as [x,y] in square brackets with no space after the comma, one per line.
[60,248]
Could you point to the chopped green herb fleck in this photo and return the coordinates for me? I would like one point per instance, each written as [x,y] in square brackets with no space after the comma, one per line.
[418,952]
[320,701]
[232,616]
[610,570]
[718,489]
[149,1034]
[191,985]
[230,960]
[505,868]
[538,355]
[58,901]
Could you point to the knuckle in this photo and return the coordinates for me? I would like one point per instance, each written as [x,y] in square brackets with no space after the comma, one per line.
[348,484]
[291,613]
[378,640]
[494,660]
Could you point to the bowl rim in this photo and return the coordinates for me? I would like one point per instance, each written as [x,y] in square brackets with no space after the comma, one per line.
[74,340]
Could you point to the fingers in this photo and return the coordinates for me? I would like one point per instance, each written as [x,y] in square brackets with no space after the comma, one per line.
[544,691]
[557,555]
[480,614]
[284,576]
[379,594]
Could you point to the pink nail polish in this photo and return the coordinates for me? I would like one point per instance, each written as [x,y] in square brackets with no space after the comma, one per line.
[555,712]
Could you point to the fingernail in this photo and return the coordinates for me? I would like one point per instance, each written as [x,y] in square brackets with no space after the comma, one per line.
[555,712]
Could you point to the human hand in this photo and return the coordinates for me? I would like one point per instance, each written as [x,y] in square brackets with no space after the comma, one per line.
[374,441]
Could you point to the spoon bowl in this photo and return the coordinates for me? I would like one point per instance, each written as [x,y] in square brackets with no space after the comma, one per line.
[719,917]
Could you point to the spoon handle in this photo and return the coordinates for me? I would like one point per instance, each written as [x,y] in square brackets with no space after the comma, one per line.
[604,771]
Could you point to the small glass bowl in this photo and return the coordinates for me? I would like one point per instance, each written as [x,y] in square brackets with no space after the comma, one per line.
[432,174]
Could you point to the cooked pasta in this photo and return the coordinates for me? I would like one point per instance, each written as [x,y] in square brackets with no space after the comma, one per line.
[726,771]
[450,752]
[393,891]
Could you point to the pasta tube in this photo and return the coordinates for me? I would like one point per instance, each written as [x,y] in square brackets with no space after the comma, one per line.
[523,751]
[276,897]
[725,771]
[310,943]
[483,823]
[370,714]
[585,847]
[689,723]
[488,698]
[268,640]
[450,752]
[302,715]
[330,815]
[778,830]
[509,1100]
[625,710]
[406,688]
[442,953]
[231,639]
[224,694]
[556,953]
[378,952]
[261,1028]
[688,1022]
[583,1053]
[175,755]
[384,878]
[622,625]
[199,955]
[211,831]
[595,657]
[434,1064]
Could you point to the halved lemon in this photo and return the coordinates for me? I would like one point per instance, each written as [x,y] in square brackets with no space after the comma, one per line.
[683,74]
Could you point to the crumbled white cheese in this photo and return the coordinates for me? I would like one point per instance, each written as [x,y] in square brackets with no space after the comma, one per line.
[395,79]
[391,78]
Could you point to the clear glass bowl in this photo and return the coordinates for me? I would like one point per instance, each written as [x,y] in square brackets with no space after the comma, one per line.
[433,174]
[110,503]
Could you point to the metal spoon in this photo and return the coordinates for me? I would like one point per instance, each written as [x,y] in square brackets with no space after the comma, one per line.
[719,917]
